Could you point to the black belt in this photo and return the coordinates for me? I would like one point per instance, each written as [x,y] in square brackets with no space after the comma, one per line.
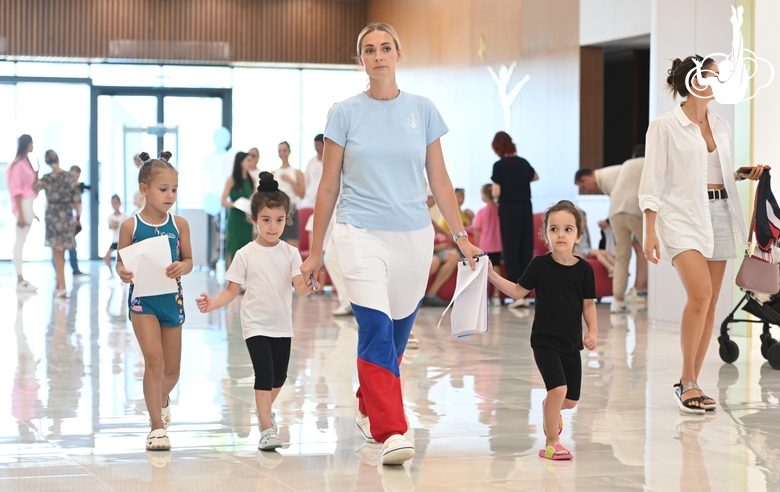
[717,194]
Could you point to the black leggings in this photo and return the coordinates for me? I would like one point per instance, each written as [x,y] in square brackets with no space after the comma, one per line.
[517,236]
[560,369]
[270,357]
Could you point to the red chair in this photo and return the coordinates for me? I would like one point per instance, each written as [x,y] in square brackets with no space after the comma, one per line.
[303,240]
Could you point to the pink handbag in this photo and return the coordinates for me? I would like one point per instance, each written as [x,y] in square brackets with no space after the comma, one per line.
[758,273]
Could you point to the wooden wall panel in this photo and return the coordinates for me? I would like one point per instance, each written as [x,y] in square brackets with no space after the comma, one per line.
[591,107]
[286,31]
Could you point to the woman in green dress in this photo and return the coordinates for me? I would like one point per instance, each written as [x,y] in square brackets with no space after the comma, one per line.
[239,230]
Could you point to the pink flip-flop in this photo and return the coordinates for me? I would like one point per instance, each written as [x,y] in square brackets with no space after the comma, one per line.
[556,452]
[544,422]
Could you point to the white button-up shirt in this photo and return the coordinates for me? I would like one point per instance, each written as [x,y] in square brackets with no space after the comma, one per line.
[674,181]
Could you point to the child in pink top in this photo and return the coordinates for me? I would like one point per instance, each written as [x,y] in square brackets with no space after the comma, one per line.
[487,231]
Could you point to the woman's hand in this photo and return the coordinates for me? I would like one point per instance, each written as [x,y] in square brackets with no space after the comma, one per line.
[175,270]
[311,267]
[469,251]
[652,248]
[755,173]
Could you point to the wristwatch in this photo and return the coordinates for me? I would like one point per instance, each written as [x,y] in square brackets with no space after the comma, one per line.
[459,235]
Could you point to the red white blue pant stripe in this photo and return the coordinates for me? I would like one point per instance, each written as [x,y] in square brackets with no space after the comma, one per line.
[385,274]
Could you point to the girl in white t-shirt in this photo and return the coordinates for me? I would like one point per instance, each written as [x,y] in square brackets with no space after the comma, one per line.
[114,221]
[266,267]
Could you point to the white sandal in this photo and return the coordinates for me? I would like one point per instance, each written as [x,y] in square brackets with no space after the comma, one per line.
[157,440]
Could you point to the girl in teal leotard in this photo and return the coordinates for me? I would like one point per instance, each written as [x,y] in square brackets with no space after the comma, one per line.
[157,320]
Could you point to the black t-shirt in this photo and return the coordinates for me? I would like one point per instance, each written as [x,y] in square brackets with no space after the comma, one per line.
[514,175]
[560,290]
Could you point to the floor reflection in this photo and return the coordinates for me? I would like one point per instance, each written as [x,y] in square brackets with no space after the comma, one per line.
[74,416]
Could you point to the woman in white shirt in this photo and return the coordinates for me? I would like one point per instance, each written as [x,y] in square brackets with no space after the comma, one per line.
[379,147]
[688,195]
[292,182]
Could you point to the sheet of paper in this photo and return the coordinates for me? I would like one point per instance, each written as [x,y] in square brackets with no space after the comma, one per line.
[469,303]
[244,205]
[148,260]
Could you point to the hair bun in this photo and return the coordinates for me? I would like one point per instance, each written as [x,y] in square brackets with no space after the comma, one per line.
[144,157]
[165,156]
[267,183]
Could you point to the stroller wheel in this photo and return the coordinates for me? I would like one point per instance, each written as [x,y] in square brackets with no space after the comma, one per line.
[766,343]
[774,356]
[729,351]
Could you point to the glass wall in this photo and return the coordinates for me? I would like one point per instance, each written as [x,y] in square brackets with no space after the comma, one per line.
[57,117]
[274,105]
[196,118]
[270,105]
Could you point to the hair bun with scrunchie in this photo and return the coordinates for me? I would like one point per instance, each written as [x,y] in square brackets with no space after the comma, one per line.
[267,183]
[145,157]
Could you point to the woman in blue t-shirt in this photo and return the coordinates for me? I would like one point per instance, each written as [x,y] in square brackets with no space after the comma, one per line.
[379,145]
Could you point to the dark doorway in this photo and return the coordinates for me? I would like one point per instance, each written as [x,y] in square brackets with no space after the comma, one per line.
[626,102]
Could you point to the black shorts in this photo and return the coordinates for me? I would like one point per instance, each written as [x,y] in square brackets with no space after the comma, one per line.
[270,358]
[114,246]
[495,258]
[560,369]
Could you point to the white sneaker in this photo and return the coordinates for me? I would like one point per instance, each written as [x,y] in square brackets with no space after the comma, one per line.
[618,307]
[518,303]
[269,440]
[342,311]
[25,286]
[364,425]
[495,302]
[157,440]
[273,421]
[635,297]
[166,415]
[397,450]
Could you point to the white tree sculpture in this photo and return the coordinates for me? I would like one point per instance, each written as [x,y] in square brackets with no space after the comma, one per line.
[502,84]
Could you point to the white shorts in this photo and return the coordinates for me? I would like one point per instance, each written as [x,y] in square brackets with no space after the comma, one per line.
[384,270]
[723,234]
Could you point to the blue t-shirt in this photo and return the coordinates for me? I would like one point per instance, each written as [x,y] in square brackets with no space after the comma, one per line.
[383,174]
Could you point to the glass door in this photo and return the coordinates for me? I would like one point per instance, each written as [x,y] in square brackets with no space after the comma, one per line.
[118,174]
[150,121]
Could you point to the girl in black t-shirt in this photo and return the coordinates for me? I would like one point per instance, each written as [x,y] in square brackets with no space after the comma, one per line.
[565,292]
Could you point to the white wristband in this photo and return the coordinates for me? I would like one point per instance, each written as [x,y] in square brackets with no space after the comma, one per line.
[459,235]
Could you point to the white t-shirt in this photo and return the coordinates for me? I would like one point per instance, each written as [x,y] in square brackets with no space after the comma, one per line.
[115,221]
[313,175]
[267,273]
[285,186]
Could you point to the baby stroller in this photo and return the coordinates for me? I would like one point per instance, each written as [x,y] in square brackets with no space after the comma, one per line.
[766,227]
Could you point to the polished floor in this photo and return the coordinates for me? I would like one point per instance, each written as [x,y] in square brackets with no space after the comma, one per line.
[72,415]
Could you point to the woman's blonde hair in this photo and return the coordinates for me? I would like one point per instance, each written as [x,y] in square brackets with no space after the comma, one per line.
[51,157]
[378,26]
